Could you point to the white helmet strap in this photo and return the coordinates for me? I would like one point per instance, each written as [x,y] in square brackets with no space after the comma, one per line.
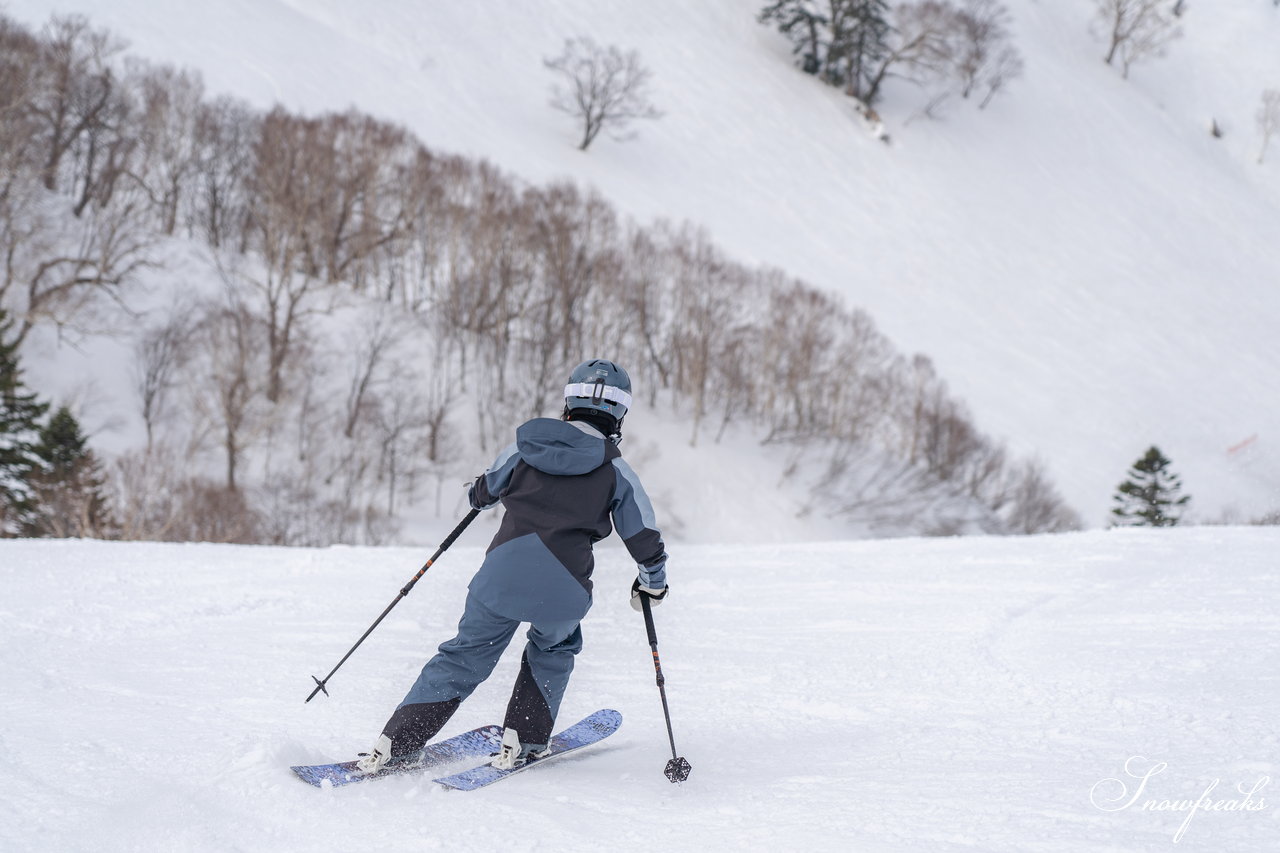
[598,391]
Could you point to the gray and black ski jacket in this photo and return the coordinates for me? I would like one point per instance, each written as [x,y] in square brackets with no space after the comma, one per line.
[560,483]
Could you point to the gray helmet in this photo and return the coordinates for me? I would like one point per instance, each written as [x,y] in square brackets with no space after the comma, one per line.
[601,385]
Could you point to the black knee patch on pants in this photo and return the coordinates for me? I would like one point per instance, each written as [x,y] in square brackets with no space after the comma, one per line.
[411,726]
[528,712]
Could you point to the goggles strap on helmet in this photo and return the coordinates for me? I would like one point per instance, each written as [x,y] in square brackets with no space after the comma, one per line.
[598,391]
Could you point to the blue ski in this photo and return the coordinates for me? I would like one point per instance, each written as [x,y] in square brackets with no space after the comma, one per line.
[477,742]
[593,729]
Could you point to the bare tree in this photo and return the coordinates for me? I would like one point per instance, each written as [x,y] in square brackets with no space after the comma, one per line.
[287,183]
[53,268]
[362,210]
[1136,29]
[920,45]
[1006,66]
[570,233]
[158,355]
[1035,505]
[1268,119]
[709,289]
[105,151]
[75,90]
[19,71]
[414,435]
[230,345]
[20,195]
[378,333]
[225,132]
[646,302]
[984,55]
[170,106]
[601,86]
[61,114]
[144,491]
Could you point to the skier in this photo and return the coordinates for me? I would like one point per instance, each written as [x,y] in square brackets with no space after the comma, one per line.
[559,482]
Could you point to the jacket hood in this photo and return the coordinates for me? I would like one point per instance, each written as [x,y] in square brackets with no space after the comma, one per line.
[561,447]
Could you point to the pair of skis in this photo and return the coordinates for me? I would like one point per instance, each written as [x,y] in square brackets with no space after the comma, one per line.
[477,743]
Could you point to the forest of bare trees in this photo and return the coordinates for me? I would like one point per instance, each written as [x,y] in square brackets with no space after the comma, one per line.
[381,309]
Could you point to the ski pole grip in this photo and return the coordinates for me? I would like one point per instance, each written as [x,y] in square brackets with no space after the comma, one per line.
[457,531]
[648,620]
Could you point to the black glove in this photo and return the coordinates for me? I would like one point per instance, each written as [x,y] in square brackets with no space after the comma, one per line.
[656,596]
[471,494]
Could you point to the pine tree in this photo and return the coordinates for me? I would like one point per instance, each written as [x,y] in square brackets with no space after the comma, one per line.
[803,22]
[1151,496]
[68,486]
[837,40]
[864,42]
[20,413]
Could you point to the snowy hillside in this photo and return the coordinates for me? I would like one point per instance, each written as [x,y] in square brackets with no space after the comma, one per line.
[922,695]
[1089,268]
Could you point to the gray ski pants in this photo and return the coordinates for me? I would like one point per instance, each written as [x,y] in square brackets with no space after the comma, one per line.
[469,658]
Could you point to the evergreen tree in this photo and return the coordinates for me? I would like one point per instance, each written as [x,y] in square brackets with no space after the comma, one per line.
[20,412]
[803,22]
[68,487]
[862,42]
[1151,496]
[837,40]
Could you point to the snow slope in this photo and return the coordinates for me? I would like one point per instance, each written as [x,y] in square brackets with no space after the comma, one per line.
[922,695]
[1091,270]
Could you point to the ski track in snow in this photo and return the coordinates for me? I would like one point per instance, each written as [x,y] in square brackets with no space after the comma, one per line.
[931,695]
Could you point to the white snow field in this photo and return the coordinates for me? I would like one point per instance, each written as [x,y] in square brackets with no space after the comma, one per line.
[910,695]
[1090,269]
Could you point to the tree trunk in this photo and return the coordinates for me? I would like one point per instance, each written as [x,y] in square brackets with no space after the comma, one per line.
[231,460]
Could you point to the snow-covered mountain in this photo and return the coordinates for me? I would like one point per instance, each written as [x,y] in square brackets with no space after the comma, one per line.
[910,695]
[1090,269]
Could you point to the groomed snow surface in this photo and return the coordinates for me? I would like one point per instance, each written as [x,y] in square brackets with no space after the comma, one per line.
[909,695]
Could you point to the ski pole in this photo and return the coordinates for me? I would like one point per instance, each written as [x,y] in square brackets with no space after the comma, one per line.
[444,546]
[677,768]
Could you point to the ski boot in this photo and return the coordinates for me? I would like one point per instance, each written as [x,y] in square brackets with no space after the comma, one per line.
[380,757]
[513,754]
